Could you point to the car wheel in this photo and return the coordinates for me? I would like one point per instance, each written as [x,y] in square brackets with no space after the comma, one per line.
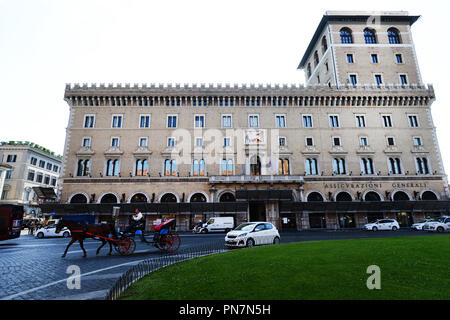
[394,228]
[374,229]
[250,243]
[205,230]
[40,235]
[66,234]
[276,240]
[440,229]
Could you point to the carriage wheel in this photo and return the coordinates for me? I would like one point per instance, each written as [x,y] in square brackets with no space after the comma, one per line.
[170,242]
[126,246]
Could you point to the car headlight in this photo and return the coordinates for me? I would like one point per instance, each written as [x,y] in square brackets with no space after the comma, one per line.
[242,235]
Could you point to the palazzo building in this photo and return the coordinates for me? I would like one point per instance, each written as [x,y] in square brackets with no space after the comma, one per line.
[355,144]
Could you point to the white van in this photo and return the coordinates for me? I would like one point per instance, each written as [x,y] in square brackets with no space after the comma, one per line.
[218,224]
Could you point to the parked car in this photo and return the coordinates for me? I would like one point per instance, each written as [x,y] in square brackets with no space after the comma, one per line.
[382,224]
[419,225]
[49,231]
[218,224]
[252,234]
[441,225]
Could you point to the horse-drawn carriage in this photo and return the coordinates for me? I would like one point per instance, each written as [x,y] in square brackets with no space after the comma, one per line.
[163,236]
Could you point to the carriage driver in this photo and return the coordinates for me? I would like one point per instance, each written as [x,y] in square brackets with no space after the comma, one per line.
[137,218]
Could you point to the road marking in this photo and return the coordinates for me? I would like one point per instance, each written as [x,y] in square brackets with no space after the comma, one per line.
[10,297]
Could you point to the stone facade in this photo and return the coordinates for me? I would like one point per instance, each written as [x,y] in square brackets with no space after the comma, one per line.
[327,140]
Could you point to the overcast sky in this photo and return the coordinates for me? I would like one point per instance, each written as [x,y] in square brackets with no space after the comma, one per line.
[46,44]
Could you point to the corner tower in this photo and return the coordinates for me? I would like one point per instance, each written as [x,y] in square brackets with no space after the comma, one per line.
[362,48]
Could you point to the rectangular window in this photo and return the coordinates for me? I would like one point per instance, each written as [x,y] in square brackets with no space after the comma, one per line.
[226,121]
[350,58]
[11,158]
[417,141]
[363,142]
[114,142]
[33,161]
[145,121]
[47,180]
[282,141]
[53,183]
[39,177]
[387,121]
[280,121]
[253,121]
[307,121]
[143,142]
[399,58]
[390,141]
[8,174]
[87,142]
[360,121]
[199,121]
[226,142]
[309,141]
[353,79]
[336,141]
[403,79]
[374,58]
[199,142]
[42,164]
[171,142]
[117,121]
[334,121]
[172,121]
[49,166]
[5,194]
[89,121]
[30,175]
[413,122]
[55,168]
[378,79]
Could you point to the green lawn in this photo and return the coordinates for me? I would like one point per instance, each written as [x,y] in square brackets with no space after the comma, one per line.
[411,268]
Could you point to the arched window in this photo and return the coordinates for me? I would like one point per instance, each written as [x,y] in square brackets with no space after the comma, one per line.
[343,196]
[283,167]
[428,195]
[227,197]
[400,196]
[83,167]
[170,168]
[112,167]
[109,198]
[372,196]
[198,197]
[395,166]
[346,36]
[369,36]
[422,166]
[316,58]
[79,198]
[169,197]
[394,36]
[138,197]
[324,45]
[230,167]
[309,70]
[339,166]
[195,168]
[311,166]
[141,167]
[315,197]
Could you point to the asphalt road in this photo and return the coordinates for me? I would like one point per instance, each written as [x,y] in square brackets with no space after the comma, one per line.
[32,269]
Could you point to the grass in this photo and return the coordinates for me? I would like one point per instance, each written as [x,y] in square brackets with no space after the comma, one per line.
[411,268]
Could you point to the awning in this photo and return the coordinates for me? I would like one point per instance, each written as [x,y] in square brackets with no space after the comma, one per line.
[45,193]
[263,195]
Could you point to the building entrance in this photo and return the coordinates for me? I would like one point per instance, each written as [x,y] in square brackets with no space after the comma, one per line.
[257,211]
[288,222]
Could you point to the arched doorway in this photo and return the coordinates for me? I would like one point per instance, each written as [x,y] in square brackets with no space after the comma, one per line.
[138,197]
[169,197]
[109,198]
[372,196]
[79,198]
[227,197]
[343,196]
[198,197]
[429,196]
[401,196]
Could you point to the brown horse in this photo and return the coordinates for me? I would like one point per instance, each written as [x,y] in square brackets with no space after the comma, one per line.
[79,233]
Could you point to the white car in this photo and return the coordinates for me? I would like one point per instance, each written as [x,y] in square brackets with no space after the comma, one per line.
[443,224]
[49,231]
[218,224]
[382,224]
[252,234]
[419,225]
